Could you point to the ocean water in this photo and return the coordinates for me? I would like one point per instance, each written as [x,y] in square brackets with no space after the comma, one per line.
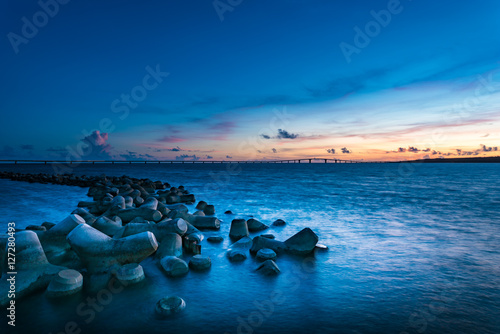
[412,249]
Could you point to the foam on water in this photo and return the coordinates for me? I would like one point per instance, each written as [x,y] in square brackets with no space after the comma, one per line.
[414,252]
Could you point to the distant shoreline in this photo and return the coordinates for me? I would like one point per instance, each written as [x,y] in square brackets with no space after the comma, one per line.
[457,160]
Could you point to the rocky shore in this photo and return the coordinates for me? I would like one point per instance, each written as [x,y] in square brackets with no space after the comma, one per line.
[126,221]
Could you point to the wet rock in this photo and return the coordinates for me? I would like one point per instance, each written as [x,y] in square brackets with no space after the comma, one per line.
[279,222]
[65,283]
[266,254]
[216,239]
[48,225]
[173,266]
[36,228]
[199,262]
[169,306]
[236,255]
[260,242]
[239,229]
[34,272]
[170,245]
[130,273]
[209,210]
[100,253]
[199,213]
[302,243]
[201,205]
[269,267]
[269,236]
[254,225]
[229,212]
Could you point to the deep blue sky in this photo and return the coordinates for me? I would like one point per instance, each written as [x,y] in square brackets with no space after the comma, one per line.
[226,77]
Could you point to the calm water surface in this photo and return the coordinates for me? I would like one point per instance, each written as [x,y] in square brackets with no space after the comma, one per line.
[412,248]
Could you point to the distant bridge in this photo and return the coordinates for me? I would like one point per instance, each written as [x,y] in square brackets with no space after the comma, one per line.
[302,160]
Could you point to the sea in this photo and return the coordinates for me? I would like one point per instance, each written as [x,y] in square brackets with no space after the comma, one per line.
[412,248]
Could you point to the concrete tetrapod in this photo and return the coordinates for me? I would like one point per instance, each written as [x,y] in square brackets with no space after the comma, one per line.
[239,229]
[54,243]
[130,273]
[34,272]
[65,283]
[301,243]
[170,305]
[174,266]
[100,253]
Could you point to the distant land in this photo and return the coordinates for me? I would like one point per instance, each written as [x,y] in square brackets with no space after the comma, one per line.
[457,160]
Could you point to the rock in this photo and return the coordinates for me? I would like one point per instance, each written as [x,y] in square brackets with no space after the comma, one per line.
[130,273]
[170,245]
[150,202]
[279,222]
[302,243]
[174,266]
[36,228]
[228,212]
[87,216]
[217,239]
[199,262]
[244,243]
[199,213]
[100,253]
[269,236]
[260,242]
[108,226]
[236,255]
[34,272]
[127,215]
[269,267]
[169,306]
[209,210]
[65,283]
[266,254]
[201,205]
[254,225]
[48,225]
[239,229]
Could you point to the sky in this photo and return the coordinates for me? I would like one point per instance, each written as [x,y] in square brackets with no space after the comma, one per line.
[249,80]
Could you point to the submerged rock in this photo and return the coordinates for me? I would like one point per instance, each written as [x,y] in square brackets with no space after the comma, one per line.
[215,239]
[199,262]
[254,225]
[174,266]
[269,267]
[209,210]
[228,212]
[236,255]
[269,236]
[279,222]
[266,254]
[169,306]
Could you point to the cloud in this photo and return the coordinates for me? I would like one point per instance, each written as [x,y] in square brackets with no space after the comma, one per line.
[413,149]
[228,157]
[283,134]
[330,150]
[209,157]
[27,147]
[265,136]
[130,155]
[401,149]
[171,139]
[426,150]
[484,148]
[345,150]
[183,157]
[274,150]
[426,156]
[97,146]
[486,135]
